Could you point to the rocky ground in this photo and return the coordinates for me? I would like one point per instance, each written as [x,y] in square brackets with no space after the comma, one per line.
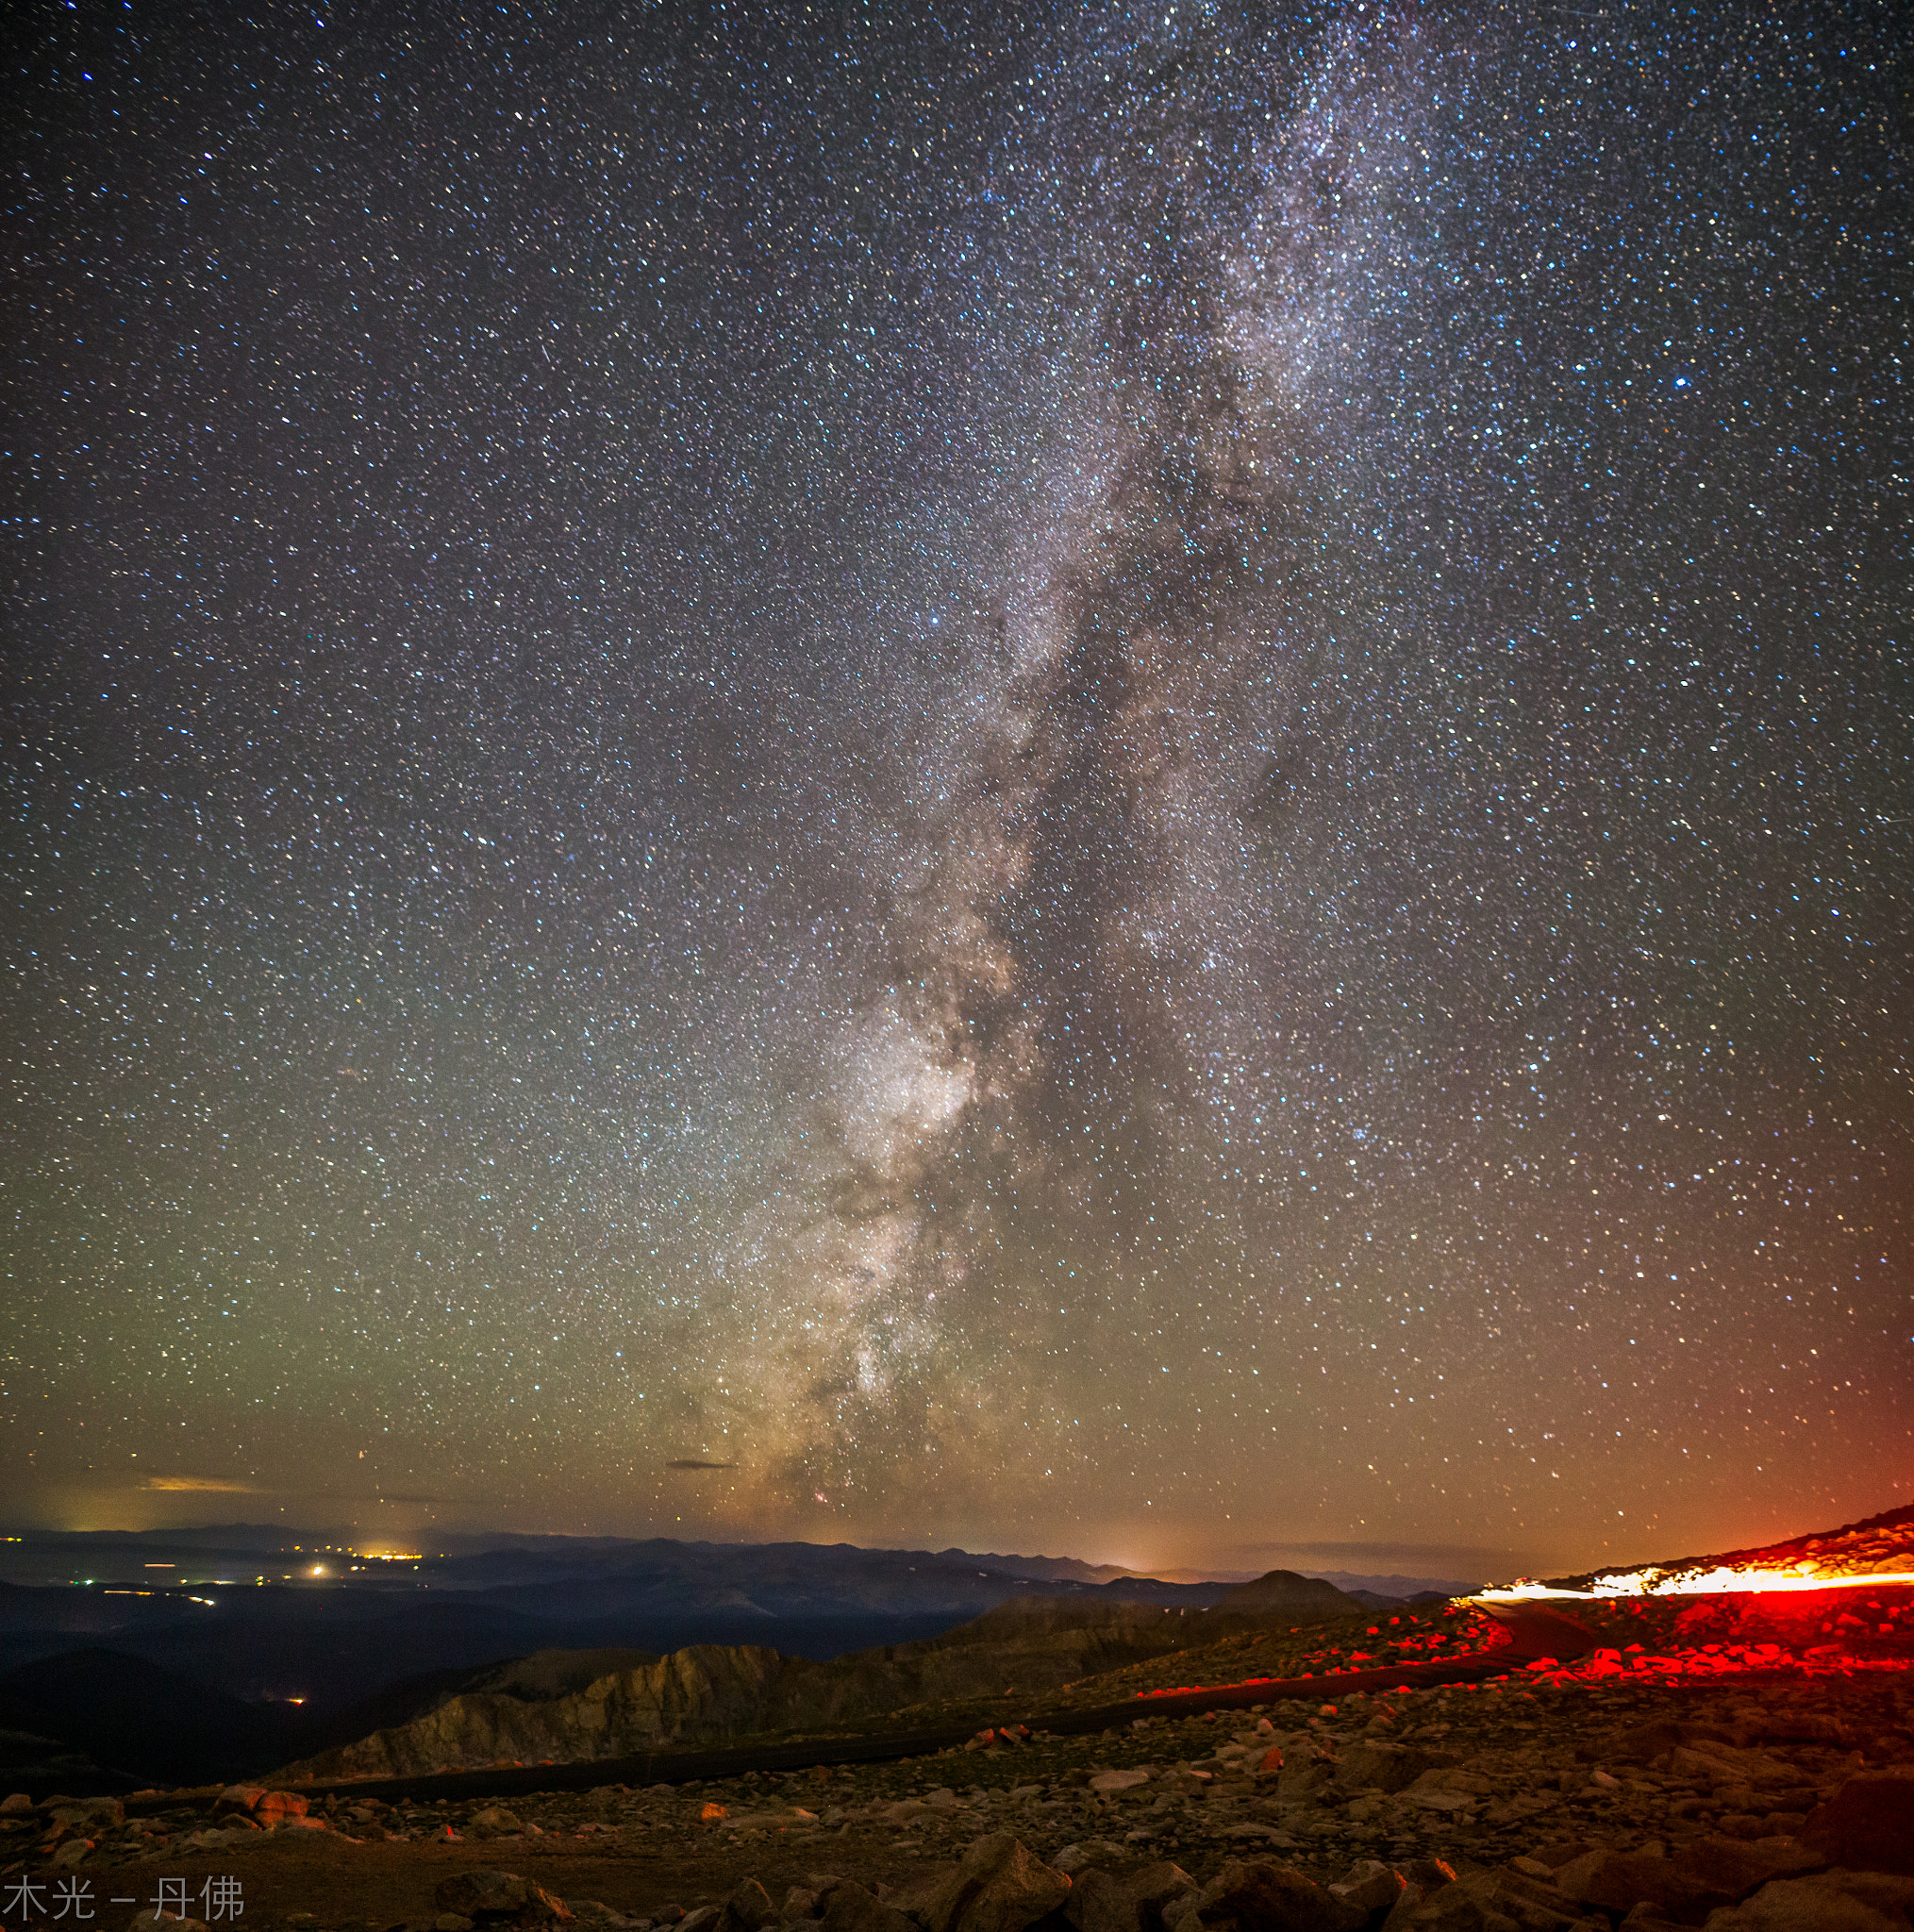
[1729,1763]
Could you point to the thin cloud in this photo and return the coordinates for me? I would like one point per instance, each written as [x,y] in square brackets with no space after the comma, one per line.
[200,1485]
[693,1462]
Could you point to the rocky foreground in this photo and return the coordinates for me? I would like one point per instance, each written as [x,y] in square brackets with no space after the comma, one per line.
[1751,1785]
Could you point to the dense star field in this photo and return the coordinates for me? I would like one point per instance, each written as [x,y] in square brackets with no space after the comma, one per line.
[1124,782]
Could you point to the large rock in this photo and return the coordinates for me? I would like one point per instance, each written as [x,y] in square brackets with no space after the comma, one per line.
[1423,1880]
[1741,1865]
[261,1803]
[489,1897]
[748,1909]
[1155,1888]
[1723,1764]
[1829,1902]
[1301,1777]
[1643,1743]
[1098,1902]
[1868,1824]
[1370,1885]
[1385,1767]
[850,1908]
[1501,1900]
[1448,1789]
[95,1815]
[997,1887]
[1262,1897]
[1615,1881]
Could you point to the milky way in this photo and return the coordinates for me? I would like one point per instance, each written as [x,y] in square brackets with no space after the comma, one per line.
[1137,783]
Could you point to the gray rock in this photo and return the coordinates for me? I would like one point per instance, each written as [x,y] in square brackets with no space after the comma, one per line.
[997,1887]
[489,1897]
[1423,1879]
[93,1815]
[1868,1824]
[748,1909]
[1369,1884]
[851,1908]
[1098,1902]
[1828,1902]
[1156,1888]
[1262,1897]
[1368,1767]
[1617,1881]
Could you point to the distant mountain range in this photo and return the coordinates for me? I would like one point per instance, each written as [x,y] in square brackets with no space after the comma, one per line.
[240,1646]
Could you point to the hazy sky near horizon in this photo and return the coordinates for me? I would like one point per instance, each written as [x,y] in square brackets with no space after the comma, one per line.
[1130,783]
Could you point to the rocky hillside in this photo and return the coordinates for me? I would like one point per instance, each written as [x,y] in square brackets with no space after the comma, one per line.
[570,1704]
[1758,1802]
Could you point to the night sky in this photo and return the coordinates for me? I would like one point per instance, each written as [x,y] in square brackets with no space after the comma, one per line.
[1126,783]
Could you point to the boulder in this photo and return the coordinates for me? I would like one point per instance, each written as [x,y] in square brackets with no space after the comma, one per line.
[16,1805]
[850,1908]
[491,1897]
[915,1895]
[748,1909]
[1097,1903]
[1867,1824]
[1617,1881]
[1648,1917]
[1423,1880]
[1300,1778]
[495,1818]
[86,1814]
[1491,1902]
[1643,1743]
[1158,1886]
[1723,1764]
[1448,1789]
[1369,1884]
[1740,1866]
[1376,1768]
[259,1803]
[1120,1780]
[1262,1897]
[998,1886]
[1373,1766]
[1828,1902]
